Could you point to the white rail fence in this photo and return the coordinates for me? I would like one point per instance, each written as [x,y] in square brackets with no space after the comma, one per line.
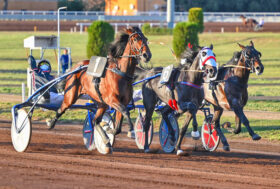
[140,16]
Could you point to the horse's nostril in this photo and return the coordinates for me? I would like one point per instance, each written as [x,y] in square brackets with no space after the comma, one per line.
[145,55]
[258,68]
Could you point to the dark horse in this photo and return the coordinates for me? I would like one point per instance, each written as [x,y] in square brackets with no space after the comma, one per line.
[115,88]
[186,85]
[231,89]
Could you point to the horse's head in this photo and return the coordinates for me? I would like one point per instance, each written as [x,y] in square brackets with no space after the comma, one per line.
[207,62]
[251,58]
[138,44]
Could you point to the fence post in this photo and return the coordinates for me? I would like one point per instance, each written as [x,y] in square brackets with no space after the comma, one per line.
[22,92]
[116,27]
[81,28]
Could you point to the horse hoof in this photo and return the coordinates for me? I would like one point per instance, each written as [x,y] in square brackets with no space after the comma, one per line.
[147,150]
[179,152]
[226,148]
[236,131]
[256,137]
[108,150]
[131,134]
[195,135]
[226,125]
[50,123]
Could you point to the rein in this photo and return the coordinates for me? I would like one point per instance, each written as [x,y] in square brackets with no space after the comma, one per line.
[236,66]
[139,51]
[190,84]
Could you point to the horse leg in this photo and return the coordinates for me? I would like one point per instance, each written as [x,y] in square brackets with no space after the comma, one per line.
[146,125]
[118,122]
[70,97]
[239,112]
[122,111]
[149,101]
[195,133]
[183,131]
[216,120]
[97,120]
[130,133]
[237,125]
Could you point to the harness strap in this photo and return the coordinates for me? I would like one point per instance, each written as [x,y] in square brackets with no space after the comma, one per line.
[190,84]
[124,75]
[96,85]
[214,96]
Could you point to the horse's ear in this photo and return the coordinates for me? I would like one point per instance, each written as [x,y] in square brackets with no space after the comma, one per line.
[211,47]
[241,46]
[251,44]
[199,47]
[129,30]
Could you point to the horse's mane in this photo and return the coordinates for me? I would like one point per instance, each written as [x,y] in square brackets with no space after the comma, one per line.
[189,54]
[234,59]
[118,46]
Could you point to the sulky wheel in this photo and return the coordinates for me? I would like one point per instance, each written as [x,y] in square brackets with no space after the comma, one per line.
[99,144]
[88,132]
[140,133]
[21,130]
[209,136]
[166,142]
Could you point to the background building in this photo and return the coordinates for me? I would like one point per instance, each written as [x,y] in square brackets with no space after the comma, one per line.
[47,5]
[131,7]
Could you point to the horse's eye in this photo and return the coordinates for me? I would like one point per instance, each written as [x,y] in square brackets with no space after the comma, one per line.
[203,53]
[135,39]
[247,54]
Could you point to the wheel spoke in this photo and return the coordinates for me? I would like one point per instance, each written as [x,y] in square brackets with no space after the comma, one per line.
[213,138]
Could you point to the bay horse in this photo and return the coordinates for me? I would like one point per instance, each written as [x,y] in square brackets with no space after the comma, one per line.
[249,21]
[115,88]
[231,89]
[186,81]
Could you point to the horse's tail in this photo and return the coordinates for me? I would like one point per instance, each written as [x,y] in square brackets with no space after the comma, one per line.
[255,22]
[61,85]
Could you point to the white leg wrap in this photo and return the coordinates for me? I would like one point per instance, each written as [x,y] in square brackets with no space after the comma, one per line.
[195,135]
[179,152]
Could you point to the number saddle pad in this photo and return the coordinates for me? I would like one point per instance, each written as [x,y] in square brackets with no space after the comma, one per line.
[97,66]
[165,75]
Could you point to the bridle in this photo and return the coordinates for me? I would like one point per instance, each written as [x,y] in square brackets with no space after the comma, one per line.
[249,61]
[137,53]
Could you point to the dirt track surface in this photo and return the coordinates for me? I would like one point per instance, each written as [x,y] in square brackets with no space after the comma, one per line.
[67,25]
[58,159]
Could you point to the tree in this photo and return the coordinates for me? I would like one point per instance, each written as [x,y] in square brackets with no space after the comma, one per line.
[184,33]
[74,5]
[5,5]
[94,5]
[229,5]
[100,35]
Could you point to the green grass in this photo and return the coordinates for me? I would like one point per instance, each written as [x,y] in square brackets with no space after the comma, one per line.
[264,90]
[261,105]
